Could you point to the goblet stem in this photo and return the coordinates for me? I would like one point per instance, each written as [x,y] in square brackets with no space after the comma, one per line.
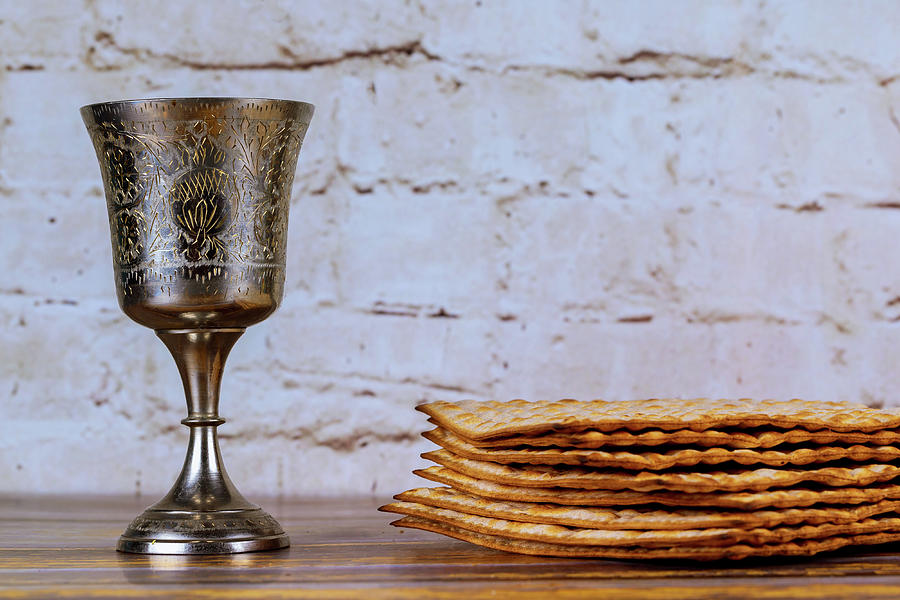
[204,484]
[203,513]
[200,355]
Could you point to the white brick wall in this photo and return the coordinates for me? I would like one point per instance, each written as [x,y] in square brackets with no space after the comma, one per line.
[611,199]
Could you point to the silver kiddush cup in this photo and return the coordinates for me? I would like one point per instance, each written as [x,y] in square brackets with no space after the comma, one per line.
[198,191]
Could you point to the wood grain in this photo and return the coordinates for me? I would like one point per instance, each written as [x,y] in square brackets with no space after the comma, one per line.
[343,548]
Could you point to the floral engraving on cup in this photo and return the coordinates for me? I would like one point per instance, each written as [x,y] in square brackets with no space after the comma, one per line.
[201,203]
[128,235]
[123,178]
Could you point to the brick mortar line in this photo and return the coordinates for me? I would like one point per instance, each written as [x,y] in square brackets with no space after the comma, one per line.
[663,65]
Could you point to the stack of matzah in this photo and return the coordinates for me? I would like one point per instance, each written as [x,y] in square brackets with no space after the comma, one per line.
[697,479]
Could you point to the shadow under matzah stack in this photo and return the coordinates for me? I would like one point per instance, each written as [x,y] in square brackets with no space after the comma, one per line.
[687,479]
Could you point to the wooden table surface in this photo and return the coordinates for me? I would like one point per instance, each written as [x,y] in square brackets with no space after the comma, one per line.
[343,548]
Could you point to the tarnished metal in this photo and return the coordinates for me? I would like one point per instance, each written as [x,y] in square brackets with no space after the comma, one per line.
[198,191]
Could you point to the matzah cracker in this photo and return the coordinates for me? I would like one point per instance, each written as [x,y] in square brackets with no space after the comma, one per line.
[655,461]
[738,551]
[785,498]
[766,438]
[640,518]
[556,534]
[646,481]
[481,420]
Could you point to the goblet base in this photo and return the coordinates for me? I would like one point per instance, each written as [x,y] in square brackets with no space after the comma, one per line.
[158,531]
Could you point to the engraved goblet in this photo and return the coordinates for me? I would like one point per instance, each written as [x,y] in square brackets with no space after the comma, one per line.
[198,191]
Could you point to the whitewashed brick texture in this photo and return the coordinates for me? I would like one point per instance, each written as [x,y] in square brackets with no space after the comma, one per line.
[496,199]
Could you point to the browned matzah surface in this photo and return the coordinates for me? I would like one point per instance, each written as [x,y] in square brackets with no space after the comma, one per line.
[578,536]
[656,461]
[737,551]
[480,420]
[640,518]
[768,438]
[647,481]
[778,498]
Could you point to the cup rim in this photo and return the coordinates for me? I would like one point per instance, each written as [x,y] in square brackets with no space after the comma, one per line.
[189,107]
[195,100]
